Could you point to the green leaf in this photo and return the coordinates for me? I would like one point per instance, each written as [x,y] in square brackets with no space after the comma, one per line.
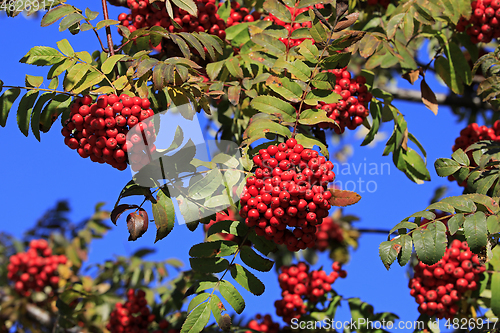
[475,230]
[231,227]
[314,116]
[55,14]
[443,206]
[388,252]
[278,10]
[42,56]
[376,112]
[286,88]
[197,300]
[224,10]
[393,24]
[221,201]
[259,126]
[261,244]
[247,280]
[462,203]
[495,293]
[37,110]
[274,106]
[60,67]
[252,259]
[406,249]
[405,225]
[233,66]
[24,111]
[318,31]
[90,80]
[455,223]
[108,65]
[298,68]
[209,265]
[232,296]
[33,81]
[271,44]
[219,248]
[416,165]
[66,48]
[71,20]
[197,319]
[164,215]
[446,167]
[442,66]
[6,100]
[104,23]
[188,5]
[493,223]
[215,304]
[91,15]
[316,96]
[74,75]
[206,186]
[309,51]
[430,243]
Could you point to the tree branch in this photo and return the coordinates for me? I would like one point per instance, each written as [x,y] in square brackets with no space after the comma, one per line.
[108,29]
[442,99]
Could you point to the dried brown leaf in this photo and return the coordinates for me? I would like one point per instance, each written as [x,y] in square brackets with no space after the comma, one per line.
[342,198]
[428,97]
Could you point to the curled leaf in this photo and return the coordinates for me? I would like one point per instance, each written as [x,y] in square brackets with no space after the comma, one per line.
[428,97]
[115,214]
[137,224]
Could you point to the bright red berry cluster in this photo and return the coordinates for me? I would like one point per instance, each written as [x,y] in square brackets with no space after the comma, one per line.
[264,324]
[145,15]
[484,23]
[223,216]
[472,134]
[328,231]
[131,316]
[352,109]
[299,285]
[100,130]
[35,269]
[383,3]
[291,27]
[288,189]
[438,288]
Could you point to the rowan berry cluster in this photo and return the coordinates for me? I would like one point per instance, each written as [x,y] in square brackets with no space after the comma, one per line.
[131,316]
[145,15]
[288,189]
[352,109]
[34,269]
[484,23]
[383,3]
[439,288]
[328,231]
[472,134]
[109,128]
[264,324]
[291,27]
[298,285]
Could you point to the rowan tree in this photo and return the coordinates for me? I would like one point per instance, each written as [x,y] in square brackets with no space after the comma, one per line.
[277,79]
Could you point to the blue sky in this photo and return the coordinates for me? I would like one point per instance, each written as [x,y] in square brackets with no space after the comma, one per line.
[37,174]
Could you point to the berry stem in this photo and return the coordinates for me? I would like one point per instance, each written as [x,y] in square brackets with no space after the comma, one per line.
[108,29]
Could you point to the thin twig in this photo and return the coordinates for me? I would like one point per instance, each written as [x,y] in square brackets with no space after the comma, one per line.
[41,89]
[104,49]
[108,29]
